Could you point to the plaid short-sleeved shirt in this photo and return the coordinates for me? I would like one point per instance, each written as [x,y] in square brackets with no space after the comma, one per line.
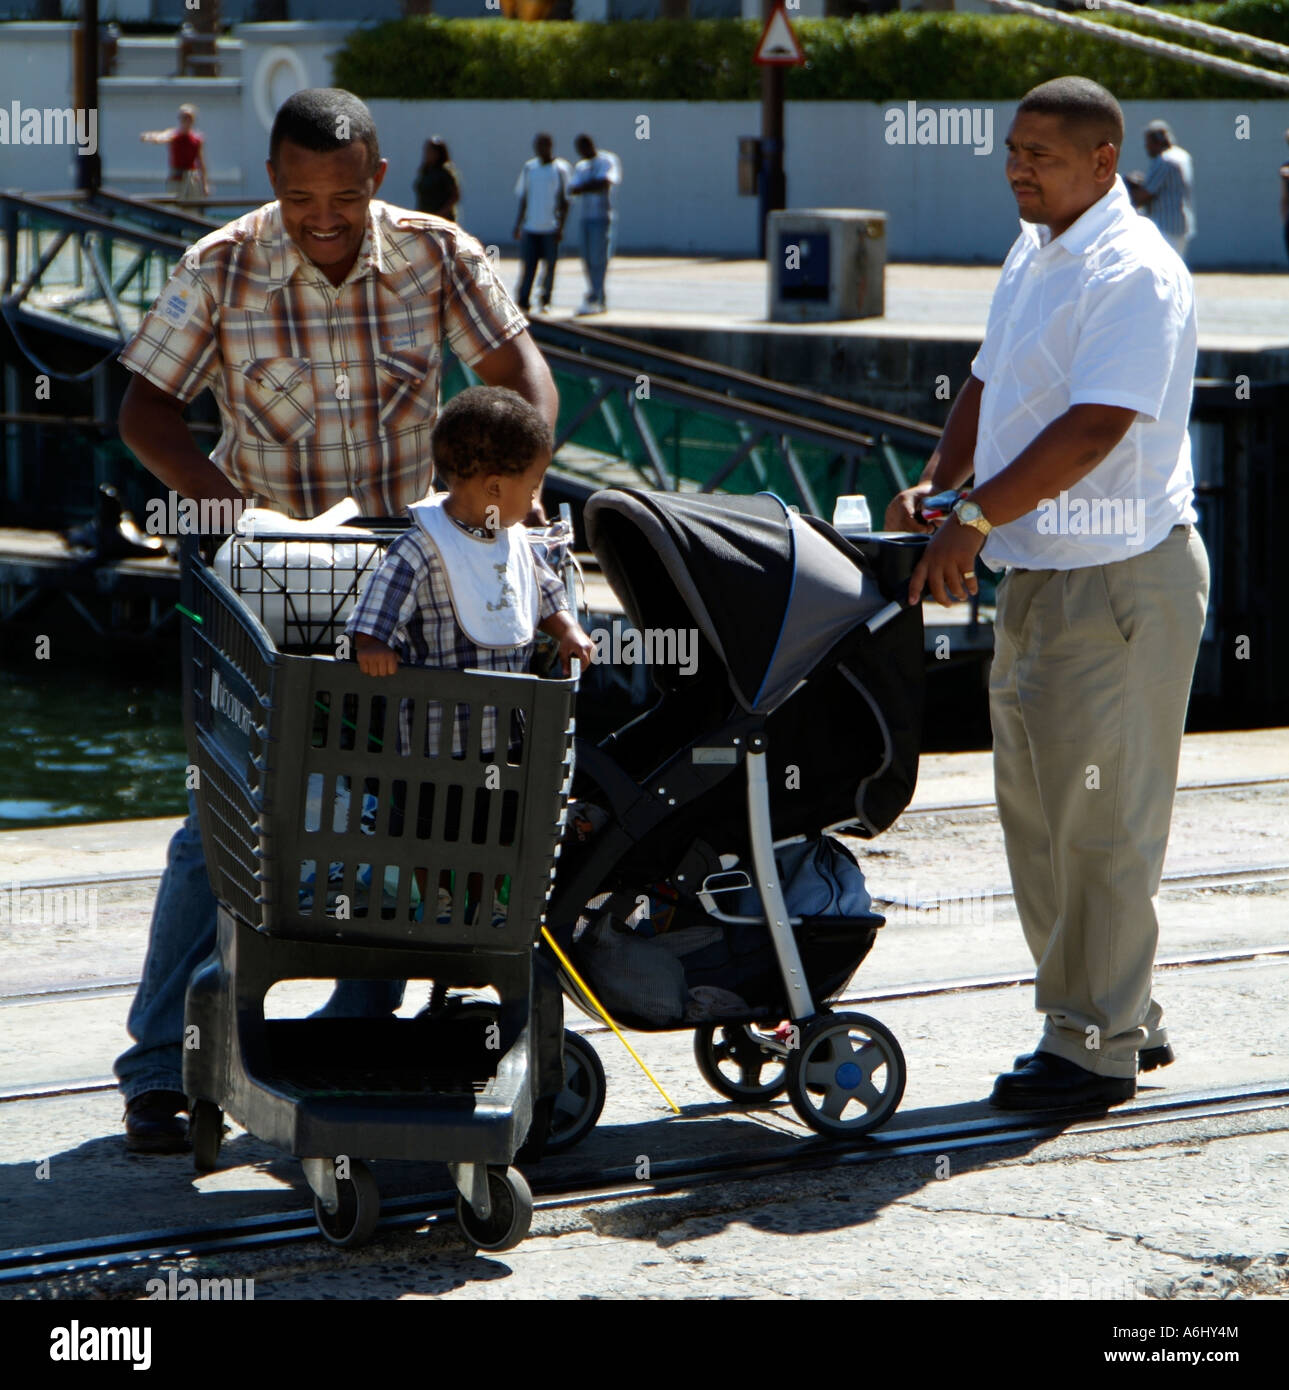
[407,605]
[324,391]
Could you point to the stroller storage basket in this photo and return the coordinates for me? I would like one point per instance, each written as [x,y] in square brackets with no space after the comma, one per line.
[419,809]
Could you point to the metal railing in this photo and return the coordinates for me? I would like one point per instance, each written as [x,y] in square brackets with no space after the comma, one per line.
[79,273]
[90,266]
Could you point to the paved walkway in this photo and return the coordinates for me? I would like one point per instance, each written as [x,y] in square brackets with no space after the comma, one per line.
[1236,311]
[1187,1210]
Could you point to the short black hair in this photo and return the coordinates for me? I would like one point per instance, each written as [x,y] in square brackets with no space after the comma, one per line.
[1079,102]
[488,429]
[323,119]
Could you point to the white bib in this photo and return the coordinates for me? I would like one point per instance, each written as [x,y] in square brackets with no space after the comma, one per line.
[492,583]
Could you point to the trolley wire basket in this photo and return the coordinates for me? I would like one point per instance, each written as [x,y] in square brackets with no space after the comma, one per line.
[422,808]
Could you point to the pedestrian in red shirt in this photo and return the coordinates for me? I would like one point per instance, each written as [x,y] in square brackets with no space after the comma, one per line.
[187,178]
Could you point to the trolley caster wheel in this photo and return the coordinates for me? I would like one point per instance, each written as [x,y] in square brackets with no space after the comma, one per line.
[848,1075]
[740,1063]
[511,1217]
[354,1219]
[579,1104]
[206,1134]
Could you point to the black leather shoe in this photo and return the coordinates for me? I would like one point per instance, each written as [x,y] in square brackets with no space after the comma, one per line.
[1148,1059]
[1049,1082]
[156,1123]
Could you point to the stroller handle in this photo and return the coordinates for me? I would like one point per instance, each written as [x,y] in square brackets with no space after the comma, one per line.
[884,616]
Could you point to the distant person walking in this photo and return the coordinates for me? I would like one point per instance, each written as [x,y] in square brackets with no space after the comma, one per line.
[437,186]
[595,176]
[1166,194]
[187,179]
[1284,197]
[542,190]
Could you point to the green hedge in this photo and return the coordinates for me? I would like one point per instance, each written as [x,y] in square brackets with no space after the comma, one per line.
[892,57]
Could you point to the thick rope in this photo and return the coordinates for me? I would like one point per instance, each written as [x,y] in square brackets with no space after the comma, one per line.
[1160,48]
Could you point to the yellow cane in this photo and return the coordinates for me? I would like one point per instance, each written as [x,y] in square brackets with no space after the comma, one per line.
[604,1014]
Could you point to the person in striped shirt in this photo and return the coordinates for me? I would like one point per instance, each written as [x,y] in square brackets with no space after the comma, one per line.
[318,322]
[1166,194]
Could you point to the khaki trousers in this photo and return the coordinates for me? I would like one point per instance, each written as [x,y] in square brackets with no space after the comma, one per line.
[1091,675]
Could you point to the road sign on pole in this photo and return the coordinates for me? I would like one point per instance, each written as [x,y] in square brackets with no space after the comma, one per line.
[779,46]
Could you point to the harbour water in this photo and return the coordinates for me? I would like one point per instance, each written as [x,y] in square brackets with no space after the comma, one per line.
[91,741]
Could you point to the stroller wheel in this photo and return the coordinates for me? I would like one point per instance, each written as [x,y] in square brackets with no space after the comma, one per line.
[511,1216]
[354,1219]
[741,1063]
[578,1105]
[848,1075]
[206,1134]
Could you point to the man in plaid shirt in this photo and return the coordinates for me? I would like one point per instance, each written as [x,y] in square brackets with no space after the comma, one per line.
[318,323]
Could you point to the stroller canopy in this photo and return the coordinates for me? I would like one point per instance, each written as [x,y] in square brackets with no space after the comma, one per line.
[771,595]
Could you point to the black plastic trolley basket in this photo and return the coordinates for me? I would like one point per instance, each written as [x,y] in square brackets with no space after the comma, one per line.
[329,841]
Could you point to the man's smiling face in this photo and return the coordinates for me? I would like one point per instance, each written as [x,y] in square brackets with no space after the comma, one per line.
[324,199]
[1056,169]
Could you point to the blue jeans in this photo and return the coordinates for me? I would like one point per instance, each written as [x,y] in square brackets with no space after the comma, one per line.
[597,248]
[181,936]
[534,247]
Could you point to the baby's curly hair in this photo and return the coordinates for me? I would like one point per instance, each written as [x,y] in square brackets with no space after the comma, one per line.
[488,429]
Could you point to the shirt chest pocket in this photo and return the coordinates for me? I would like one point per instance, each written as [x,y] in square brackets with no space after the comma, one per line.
[276,399]
[407,383]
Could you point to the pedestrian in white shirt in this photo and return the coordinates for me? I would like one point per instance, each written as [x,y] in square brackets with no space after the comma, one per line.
[542,190]
[1167,193]
[596,175]
[1074,422]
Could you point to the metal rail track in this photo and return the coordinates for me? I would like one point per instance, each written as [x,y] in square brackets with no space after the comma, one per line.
[970,984]
[987,803]
[30,1264]
[937,809]
[1204,878]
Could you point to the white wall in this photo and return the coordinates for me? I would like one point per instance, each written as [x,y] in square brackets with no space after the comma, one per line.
[679,190]
[36,70]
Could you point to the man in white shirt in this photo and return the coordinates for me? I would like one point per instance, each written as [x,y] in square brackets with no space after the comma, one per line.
[1074,422]
[542,190]
[596,175]
[1167,193]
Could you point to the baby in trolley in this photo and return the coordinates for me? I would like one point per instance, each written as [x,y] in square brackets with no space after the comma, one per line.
[464,588]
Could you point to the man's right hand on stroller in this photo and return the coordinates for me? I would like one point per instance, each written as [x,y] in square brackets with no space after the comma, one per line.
[374,657]
[904,512]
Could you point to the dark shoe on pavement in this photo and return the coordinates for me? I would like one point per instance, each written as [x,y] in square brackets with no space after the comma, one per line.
[1049,1082]
[1148,1059]
[157,1123]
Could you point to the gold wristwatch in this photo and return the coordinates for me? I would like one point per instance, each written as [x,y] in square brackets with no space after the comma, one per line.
[969,514]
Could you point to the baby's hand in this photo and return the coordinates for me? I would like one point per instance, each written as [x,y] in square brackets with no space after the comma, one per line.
[575,643]
[374,657]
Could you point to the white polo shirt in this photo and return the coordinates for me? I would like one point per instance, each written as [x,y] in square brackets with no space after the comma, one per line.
[1104,314]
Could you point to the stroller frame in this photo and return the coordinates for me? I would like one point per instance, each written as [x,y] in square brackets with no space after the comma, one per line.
[663,554]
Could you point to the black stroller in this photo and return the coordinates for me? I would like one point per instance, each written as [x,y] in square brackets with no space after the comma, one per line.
[801,713]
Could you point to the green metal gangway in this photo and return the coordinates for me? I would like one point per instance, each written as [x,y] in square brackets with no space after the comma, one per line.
[82,269]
